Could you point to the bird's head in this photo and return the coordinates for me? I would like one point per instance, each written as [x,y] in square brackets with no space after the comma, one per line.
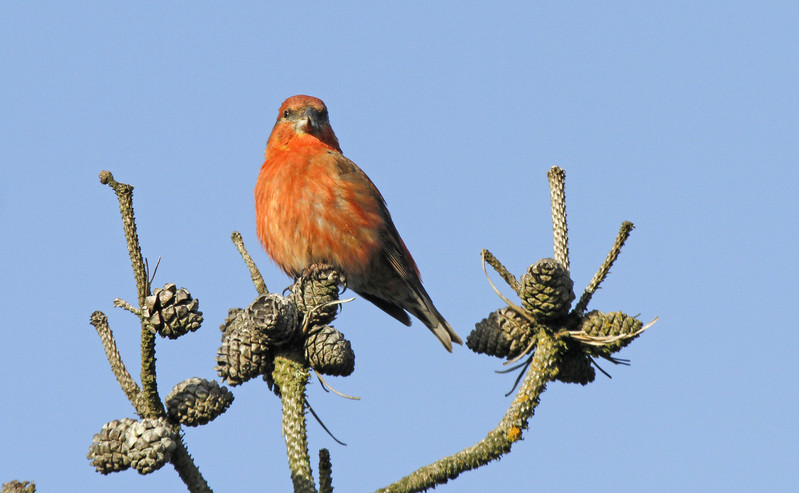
[306,116]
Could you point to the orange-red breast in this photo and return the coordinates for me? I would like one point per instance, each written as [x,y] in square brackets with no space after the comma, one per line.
[315,206]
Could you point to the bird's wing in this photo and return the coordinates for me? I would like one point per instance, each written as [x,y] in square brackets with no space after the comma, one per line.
[394,249]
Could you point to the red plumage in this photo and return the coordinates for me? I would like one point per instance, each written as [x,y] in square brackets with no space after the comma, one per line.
[315,206]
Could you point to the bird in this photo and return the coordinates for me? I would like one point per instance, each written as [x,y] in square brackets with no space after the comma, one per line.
[314,206]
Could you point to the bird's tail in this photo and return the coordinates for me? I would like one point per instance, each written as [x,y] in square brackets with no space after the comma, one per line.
[418,302]
[445,333]
[425,311]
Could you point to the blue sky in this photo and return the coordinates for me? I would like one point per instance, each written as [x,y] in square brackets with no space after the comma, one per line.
[681,117]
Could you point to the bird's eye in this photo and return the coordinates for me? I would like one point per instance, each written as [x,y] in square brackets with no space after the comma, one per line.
[286,114]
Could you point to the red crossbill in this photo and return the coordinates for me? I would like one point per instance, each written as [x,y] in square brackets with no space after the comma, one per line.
[315,206]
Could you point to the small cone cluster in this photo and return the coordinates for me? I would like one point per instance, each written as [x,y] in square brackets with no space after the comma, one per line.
[546,293]
[144,445]
[251,336]
[108,452]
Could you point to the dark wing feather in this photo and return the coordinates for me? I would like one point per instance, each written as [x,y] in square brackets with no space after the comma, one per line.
[391,308]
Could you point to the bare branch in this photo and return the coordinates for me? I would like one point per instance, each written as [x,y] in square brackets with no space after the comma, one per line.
[498,442]
[120,303]
[146,400]
[255,274]
[325,472]
[521,311]
[291,376]
[188,471]
[604,269]
[560,230]
[129,386]
[501,270]
[124,192]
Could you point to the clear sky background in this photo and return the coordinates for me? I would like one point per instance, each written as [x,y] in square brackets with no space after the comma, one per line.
[682,117]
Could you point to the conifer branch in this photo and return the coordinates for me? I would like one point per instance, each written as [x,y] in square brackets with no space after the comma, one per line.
[291,377]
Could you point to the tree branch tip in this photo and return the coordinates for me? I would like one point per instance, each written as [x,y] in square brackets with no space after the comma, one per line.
[325,472]
[255,274]
[120,303]
[98,318]
[106,178]
[521,311]
[500,269]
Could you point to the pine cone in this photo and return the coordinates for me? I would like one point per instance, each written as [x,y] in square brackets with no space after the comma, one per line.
[312,293]
[276,317]
[197,401]
[547,290]
[172,312]
[504,333]
[244,353]
[18,487]
[150,444]
[575,366]
[328,352]
[236,317]
[109,450]
[610,325]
